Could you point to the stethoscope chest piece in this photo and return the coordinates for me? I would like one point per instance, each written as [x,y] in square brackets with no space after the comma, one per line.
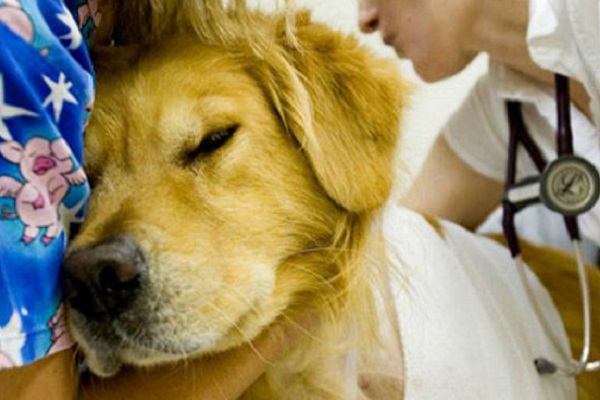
[570,185]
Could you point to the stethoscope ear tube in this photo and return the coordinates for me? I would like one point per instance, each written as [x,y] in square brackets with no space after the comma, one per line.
[570,186]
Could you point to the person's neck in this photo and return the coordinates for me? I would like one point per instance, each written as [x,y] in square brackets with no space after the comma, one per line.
[500,29]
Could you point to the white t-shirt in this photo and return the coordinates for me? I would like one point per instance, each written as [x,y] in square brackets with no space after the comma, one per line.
[468,328]
[563,36]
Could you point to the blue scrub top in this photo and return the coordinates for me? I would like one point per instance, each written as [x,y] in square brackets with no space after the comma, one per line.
[46,94]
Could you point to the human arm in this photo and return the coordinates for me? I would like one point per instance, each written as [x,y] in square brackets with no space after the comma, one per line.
[221,376]
[450,189]
[51,378]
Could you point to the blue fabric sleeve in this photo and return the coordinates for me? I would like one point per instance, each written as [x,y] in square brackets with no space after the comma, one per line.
[46,94]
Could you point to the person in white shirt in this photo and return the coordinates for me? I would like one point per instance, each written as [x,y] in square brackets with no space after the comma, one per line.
[527,42]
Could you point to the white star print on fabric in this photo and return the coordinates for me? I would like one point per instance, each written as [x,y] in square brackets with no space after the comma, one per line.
[59,93]
[74,34]
[8,111]
[10,349]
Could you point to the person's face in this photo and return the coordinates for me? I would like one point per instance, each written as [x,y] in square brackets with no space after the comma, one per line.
[431,33]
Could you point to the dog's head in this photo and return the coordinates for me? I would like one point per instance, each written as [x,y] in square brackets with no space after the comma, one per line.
[233,182]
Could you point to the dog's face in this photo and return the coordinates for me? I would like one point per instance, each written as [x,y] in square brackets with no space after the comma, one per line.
[211,214]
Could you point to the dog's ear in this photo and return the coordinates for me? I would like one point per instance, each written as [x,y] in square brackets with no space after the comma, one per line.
[343,105]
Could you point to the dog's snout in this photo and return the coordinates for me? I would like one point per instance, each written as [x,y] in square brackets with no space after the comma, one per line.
[105,278]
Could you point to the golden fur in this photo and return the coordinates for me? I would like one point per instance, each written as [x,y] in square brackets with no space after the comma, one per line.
[279,219]
[275,220]
[435,224]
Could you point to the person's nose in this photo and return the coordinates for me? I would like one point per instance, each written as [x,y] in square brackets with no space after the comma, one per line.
[368,16]
[104,279]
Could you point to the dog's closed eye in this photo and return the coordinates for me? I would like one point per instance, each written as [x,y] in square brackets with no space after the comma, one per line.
[211,142]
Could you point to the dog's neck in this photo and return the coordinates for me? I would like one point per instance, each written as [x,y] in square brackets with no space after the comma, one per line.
[334,363]
[326,374]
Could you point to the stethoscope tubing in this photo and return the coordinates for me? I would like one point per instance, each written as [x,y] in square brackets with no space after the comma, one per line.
[564,142]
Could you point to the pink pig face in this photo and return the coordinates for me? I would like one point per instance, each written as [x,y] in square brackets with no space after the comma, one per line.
[41,161]
[46,167]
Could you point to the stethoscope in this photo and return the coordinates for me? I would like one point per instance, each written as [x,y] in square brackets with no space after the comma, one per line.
[569,185]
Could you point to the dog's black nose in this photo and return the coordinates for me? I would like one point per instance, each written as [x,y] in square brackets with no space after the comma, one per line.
[104,279]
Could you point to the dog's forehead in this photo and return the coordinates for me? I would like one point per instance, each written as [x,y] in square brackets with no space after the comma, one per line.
[175,94]
[187,76]
[187,64]
[179,76]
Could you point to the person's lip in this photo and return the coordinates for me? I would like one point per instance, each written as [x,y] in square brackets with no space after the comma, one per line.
[389,39]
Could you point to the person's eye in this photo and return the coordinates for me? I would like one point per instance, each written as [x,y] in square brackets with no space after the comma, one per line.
[212,142]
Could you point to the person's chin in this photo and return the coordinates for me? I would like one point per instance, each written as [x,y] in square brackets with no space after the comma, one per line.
[434,69]
[392,41]
[427,64]
[430,74]
[431,71]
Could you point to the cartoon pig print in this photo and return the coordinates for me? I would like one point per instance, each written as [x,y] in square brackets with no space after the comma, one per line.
[15,18]
[47,169]
[89,10]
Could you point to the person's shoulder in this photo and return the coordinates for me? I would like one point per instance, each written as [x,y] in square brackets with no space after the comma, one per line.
[484,104]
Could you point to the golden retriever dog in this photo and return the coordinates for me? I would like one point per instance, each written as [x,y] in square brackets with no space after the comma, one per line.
[239,164]
[219,204]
